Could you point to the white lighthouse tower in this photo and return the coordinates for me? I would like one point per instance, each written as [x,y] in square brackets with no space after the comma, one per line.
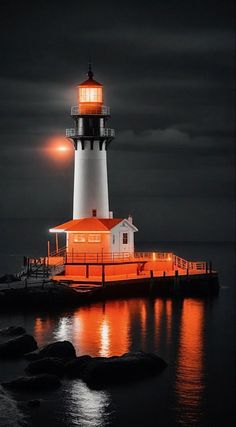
[93,232]
[90,138]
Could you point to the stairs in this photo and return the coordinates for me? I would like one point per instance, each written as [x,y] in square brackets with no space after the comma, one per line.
[84,288]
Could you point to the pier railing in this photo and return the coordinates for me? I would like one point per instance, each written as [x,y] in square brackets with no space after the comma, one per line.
[58,252]
[174,262]
[85,258]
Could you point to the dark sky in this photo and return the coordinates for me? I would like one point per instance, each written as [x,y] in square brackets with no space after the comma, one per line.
[168,72]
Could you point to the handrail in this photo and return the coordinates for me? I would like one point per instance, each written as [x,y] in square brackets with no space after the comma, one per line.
[100,111]
[59,252]
[100,257]
[109,257]
[77,133]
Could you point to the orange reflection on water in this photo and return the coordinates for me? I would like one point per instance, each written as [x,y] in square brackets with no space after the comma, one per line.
[189,371]
[158,313]
[143,323]
[102,330]
[168,307]
[42,327]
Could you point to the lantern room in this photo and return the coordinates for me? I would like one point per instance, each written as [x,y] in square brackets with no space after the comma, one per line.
[90,96]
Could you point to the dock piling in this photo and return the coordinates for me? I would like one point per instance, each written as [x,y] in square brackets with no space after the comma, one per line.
[151,281]
[210,267]
[103,274]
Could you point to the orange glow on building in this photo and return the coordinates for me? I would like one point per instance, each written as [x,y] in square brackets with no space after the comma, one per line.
[90,95]
[189,374]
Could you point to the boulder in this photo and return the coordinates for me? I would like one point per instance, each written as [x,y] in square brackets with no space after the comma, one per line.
[8,278]
[33,355]
[18,346]
[74,368]
[40,382]
[100,372]
[60,349]
[47,365]
[12,331]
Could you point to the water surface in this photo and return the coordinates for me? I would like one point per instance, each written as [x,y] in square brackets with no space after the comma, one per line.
[195,336]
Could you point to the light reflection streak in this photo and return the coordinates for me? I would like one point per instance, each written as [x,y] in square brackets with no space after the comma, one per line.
[105,339]
[189,372]
[143,322]
[100,330]
[42,328]
[158,313]
[88,407]
[63,331]
[168,307]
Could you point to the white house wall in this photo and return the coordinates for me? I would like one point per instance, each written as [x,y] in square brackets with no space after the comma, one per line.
[118,231]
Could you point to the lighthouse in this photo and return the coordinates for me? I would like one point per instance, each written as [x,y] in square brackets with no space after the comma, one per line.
[91,138]
[93,231]
[99,247]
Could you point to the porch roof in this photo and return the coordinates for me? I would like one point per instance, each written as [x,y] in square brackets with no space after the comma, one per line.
[87,224]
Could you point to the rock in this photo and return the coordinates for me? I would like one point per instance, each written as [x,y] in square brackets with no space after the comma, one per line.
[18,346]
[75,367]
[33,355]
[60,349]
[8,278]
[40,382]
[47,365]
[100,372]
[35,403]
[12,331]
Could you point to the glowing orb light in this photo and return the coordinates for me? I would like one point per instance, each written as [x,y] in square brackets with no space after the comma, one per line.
[58,148]
[62,148]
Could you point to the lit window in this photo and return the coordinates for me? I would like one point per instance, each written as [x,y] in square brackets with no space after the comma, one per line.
[78,238]
[90,94]
[94,238]
[113,239]
[94,212]
[125,238]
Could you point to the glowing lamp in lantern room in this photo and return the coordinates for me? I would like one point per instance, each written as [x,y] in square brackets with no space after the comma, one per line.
[90,95]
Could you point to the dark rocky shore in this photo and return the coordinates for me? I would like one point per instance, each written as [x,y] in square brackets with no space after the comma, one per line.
[49,366]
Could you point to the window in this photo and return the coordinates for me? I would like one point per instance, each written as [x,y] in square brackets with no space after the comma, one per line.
[94,238]
[90,94]
[79,238]
[113,239]
[125,238]
[94,212]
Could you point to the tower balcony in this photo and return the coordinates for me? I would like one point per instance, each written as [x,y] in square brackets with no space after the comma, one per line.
[78,133]
[99,111]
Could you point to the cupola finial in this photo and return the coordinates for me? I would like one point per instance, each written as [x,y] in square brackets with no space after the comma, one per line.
[90,73]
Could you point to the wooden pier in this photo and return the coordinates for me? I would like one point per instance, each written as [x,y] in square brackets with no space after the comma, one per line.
[119,275]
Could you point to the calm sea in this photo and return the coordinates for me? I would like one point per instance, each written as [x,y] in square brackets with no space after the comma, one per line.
[195,336]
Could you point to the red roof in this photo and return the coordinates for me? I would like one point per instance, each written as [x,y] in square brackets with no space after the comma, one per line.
[90,83]
[88,224]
